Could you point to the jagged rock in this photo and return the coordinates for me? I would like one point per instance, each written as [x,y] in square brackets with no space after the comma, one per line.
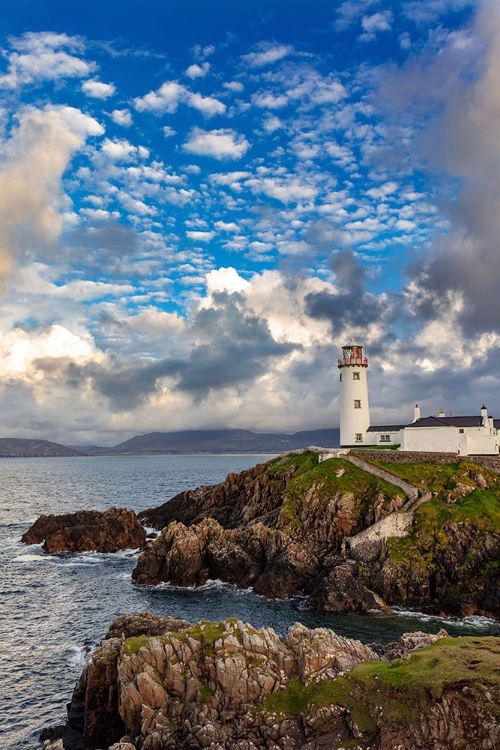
[226,685]
[144,623]
[284,528]
[407,643]
[339,589]
[110,531]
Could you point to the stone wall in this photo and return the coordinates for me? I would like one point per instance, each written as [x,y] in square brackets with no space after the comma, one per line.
[412,457]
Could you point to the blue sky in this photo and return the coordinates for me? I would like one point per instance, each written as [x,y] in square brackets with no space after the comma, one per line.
[200,202]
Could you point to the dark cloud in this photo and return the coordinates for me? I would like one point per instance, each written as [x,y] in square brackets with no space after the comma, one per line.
[239,347]
[353,306]
[450,94]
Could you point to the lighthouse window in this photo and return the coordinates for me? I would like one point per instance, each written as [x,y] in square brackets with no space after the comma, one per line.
[357,403]
[355,376]
[340,377]
[461,430]
[359,437]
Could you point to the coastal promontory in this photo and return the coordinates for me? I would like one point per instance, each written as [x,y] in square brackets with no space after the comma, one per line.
[351,533]
[159,683]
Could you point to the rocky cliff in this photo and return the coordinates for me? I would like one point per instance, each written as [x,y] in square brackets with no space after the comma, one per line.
[285,527]
[279,527]
[158,684]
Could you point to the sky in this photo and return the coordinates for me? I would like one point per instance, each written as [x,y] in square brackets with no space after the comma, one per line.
[201,202]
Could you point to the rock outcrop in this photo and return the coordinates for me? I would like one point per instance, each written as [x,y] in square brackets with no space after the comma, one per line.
[278,527]
[297,525]
[113,530]
[228,686]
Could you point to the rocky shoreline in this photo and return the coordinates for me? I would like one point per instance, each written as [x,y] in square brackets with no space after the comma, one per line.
[338,531]
[344,534]
[300,525]
[159,683]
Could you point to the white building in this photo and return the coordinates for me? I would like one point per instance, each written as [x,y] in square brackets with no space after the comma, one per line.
[468,435]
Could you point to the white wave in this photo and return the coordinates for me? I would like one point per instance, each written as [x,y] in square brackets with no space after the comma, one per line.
[33,558]
[471,621]
[79,656]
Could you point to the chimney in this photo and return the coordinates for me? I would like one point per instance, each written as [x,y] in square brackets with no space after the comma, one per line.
[484,416]
[416,413]
[442,413]
[492,425]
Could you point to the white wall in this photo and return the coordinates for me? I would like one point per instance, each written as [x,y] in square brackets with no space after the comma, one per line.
[434,440]
[482,444]
[353,420]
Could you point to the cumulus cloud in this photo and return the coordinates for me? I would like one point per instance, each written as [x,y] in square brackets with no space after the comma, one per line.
[98,89]
[170,94]
[122,117]
[220,144]
[44,56]
[373,24]
[462,142]
[267,54]
[198,71]
[122,150]
[34,160]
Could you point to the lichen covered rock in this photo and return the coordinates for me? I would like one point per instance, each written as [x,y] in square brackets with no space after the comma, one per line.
[227,685]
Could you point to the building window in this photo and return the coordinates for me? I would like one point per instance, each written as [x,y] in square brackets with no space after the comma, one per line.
[359,437]
[340,377]
[385,438]
[461,430]
[357,403]
[355,376]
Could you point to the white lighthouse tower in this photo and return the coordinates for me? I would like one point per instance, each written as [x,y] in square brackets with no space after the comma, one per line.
[354,406]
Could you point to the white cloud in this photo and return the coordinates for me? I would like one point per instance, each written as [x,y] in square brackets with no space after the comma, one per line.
[198,71]
[168,132]
[285,189]
[122,150]
[99,214]
[350,11]
[267,54]
[428,11]
[236,86]
[219,144]
[200,236]
[98,89]
[34,160]
[44,56]
[375,23]
[206,104]
[227,226]
[271,124]
[267,100]
[122,117]
[21,349]
[388,188]
[170,94]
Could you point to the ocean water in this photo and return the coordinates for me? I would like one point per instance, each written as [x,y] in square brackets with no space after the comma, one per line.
[54,607]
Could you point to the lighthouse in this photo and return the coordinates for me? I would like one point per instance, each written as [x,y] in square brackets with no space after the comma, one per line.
[354,406]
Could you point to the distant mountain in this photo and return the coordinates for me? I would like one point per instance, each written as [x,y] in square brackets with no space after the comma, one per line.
[219,441]
[17,448]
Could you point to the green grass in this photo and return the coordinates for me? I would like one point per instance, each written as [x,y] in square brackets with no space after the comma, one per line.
[405,689]
[206,695]
[481,508]
[322,476]
[134,644]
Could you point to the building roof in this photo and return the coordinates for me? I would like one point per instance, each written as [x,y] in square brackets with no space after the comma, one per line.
[386,428]
[468,421]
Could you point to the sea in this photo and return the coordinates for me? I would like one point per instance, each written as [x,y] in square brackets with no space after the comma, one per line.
[55,608]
